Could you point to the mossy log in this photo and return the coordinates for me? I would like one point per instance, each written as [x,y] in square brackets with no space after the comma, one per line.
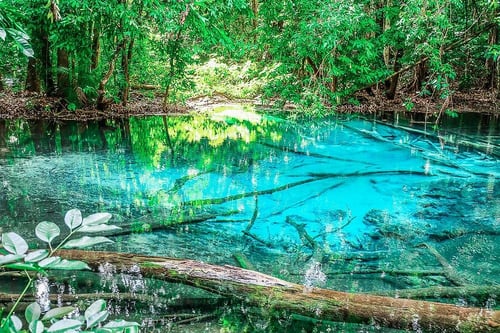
[282,297]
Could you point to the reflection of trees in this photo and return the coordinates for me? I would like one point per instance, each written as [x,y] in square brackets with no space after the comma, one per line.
[198,141]
[140,149]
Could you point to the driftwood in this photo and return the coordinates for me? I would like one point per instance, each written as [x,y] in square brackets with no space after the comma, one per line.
[279,296]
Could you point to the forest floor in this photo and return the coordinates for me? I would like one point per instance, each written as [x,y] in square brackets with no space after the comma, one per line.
[34,106]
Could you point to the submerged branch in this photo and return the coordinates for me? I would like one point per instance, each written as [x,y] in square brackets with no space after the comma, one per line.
[304,236]
[310,154]
[448,270]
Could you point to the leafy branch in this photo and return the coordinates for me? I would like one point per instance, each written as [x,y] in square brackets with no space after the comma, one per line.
[17,257]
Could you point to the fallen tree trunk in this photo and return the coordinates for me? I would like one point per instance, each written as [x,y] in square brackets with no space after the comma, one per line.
[279,296]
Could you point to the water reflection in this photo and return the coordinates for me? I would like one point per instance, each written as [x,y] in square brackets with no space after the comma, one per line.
[352,205]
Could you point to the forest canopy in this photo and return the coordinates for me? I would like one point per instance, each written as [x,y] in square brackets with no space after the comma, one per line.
[316,54]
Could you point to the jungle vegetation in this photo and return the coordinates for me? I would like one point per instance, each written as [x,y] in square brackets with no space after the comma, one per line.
[312,53]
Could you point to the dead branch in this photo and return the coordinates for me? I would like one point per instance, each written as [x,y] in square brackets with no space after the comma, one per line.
[279,296]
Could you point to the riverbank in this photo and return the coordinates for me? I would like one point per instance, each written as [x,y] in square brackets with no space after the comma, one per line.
[35,106]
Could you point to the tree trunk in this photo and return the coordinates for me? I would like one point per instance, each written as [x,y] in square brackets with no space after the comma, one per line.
[96,48]
[392,83]
[63,85]
[46,59]
[491,63]
[102,103]
[32,79]
[255,23]
[126,57]
[1,82]
[279,296]
[3,135]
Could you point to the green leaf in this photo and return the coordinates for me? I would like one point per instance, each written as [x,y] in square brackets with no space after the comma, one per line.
[132,329]
[69,265]
[64,325]
[36,327]
[73,218]
[57,313]
[32,312]
[98,228]
[121,324]
[16,323]
[23,267]
[9,258]
[22,41]
[46,263]
[86,241]
[14,243]
[98,218]
[97,318]
[97,306]
[36,255]
[47,231]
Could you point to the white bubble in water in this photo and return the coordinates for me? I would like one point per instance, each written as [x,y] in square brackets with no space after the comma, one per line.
[42,293]
[314,276]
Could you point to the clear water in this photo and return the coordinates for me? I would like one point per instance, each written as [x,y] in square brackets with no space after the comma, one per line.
[355,205]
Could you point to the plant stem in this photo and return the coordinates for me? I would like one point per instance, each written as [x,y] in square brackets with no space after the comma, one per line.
[62,242]
[28,285]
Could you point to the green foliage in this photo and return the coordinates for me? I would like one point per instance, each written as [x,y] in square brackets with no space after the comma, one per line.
[15,256]
[408,104]
[239,81]
[314,54]
[10,28]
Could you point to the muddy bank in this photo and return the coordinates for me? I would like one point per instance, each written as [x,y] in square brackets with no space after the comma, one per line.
[35,106]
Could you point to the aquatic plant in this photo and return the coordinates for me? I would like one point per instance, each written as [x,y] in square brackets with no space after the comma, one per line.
[16,256]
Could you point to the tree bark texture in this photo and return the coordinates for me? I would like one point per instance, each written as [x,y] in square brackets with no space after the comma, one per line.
[32,79]
[102,103]
[279,296]
[492,64]
[62,73]
[46,60]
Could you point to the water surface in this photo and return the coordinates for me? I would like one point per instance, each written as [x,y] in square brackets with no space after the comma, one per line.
[350,204]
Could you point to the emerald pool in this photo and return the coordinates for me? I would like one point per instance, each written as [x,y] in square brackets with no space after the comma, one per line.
[352,204]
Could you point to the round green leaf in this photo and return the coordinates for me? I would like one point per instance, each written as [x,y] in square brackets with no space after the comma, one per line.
[16,322]
[86,242]
[58,312]
[98,218]
[121,324]
[97,318]
[48,262]
[98,228]
[36,326]
[97,306]
[10,258]
[47,231]
[68,265]
[73,218]
[14,243]
[64,325]
[32,312]
[36,255]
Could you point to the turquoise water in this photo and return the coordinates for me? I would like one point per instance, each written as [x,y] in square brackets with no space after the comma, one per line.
[356,205]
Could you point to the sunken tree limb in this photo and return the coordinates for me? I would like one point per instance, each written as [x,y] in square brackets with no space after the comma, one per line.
[280,296]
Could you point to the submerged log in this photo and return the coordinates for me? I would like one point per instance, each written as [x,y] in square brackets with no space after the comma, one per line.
[281,297]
